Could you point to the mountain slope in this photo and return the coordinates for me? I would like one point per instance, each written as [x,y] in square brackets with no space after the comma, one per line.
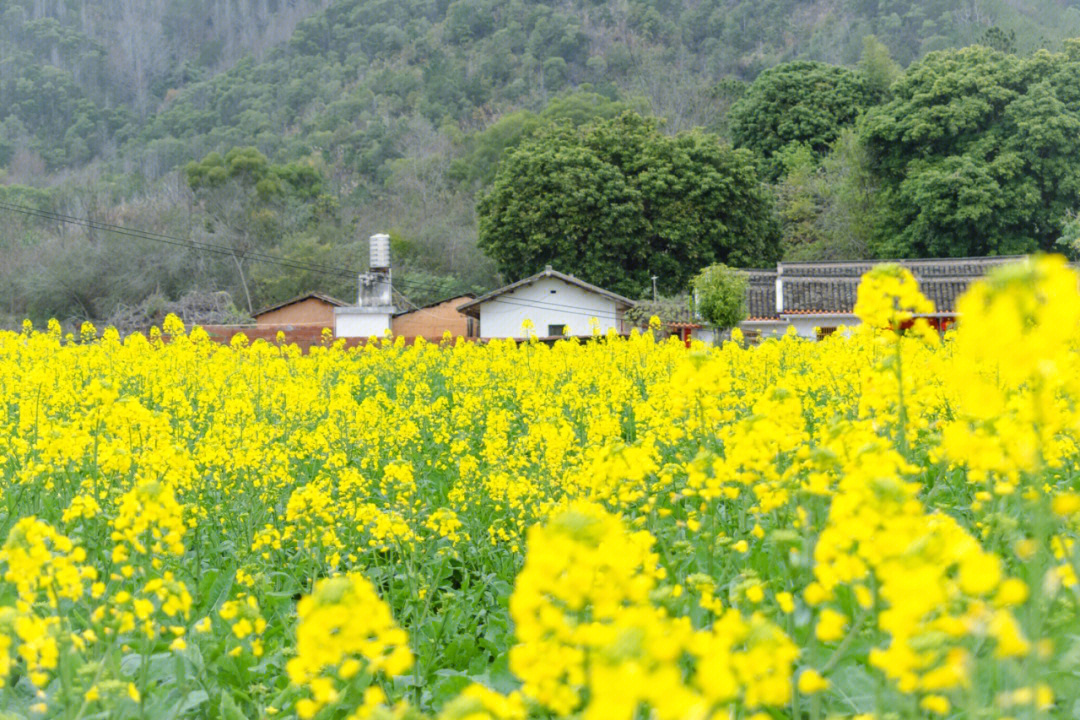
[79,79]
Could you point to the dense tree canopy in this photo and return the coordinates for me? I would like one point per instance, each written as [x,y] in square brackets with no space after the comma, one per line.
[406,109]
[618,202]
[800,102]
[977,153]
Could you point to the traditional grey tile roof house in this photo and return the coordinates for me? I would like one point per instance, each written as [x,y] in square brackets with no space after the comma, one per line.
[816,298]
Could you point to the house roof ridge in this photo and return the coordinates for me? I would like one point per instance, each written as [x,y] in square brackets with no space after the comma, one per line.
[988,259]
[299,298]
[547,272]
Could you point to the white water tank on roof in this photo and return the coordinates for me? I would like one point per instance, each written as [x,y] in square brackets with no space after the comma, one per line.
[380,252]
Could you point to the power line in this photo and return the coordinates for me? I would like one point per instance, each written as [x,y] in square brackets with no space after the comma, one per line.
[584,312]
[170,239]
[175,241]
[224,250]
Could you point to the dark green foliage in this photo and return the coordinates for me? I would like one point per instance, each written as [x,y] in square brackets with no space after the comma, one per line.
[618,202]
[88,79]
[799,102]
[248,166]
[486,148]
[827,209]
[977,154]
[997,39]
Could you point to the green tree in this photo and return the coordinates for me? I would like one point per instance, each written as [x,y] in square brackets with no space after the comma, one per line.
[1069,242]
[484,149]
[800,200]
[999,40]
[805,102]
[617,202]
[720,295]
[248,200]
[877,68]
[827,209]
[976,154]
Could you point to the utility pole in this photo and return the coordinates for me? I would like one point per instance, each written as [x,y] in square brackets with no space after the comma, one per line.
[654,278]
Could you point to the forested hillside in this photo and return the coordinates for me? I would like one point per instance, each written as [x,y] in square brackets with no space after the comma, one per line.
[396,114]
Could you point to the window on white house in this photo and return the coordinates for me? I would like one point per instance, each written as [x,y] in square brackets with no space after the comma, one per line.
[554,330]
[824,332]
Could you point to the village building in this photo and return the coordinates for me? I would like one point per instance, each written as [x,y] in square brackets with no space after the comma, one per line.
[554,303]
[432,321]
[309,309]
[818,298]
[354,321]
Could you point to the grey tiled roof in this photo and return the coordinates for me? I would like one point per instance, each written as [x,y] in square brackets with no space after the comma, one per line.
[921,268]
[761,295]
[832,287]
[827,295]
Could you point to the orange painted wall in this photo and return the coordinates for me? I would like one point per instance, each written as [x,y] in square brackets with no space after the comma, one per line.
[311,311]
[432,322]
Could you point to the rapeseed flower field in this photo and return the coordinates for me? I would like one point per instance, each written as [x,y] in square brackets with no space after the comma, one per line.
[879,525]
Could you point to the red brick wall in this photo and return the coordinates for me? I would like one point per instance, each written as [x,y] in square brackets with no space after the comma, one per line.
[305,337]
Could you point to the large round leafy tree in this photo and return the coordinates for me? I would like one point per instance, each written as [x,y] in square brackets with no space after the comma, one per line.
[617,202]
[798,102]
[977,153]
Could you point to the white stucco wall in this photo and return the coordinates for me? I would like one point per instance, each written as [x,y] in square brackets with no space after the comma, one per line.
[548,301]
[767,329]
[350,322]
[805,325]
[705,334]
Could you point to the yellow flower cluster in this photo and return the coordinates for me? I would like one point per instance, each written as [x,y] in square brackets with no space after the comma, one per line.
[881,524]
[928,579]
[889,296]
[589,634]
[1015,409]
[343,628]
[38,560]
[148,520]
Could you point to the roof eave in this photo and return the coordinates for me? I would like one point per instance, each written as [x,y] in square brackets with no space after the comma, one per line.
[469,307]
[300,298]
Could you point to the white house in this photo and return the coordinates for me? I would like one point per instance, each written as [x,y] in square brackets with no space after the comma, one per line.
[555,304]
